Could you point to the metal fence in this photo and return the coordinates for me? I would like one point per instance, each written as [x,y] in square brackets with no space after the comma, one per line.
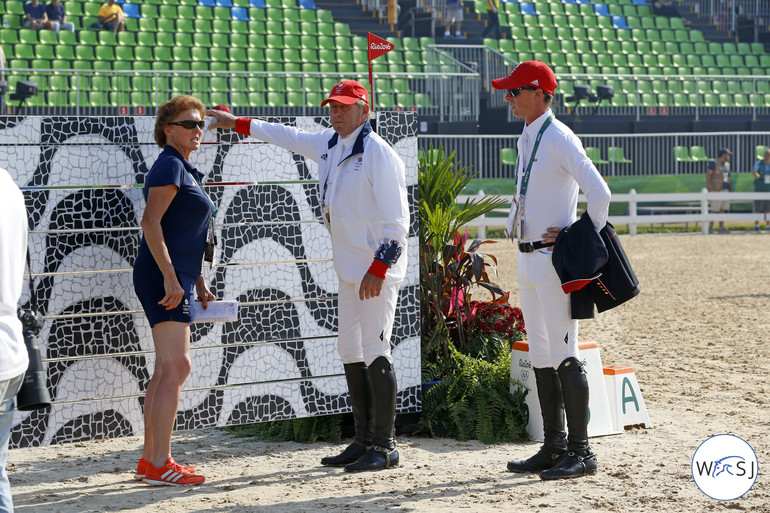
[677,92]
[613,155]
[446,96]
[729,14]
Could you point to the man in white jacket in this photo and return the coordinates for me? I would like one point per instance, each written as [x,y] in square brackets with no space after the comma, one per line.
[362,191]
[552,166]
[13,352]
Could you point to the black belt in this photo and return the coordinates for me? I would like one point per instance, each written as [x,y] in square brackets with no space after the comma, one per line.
[529,247]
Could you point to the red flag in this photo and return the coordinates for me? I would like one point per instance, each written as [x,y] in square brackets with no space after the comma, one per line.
[377,46]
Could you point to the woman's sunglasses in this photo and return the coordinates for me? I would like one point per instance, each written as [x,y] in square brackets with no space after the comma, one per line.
[189,124]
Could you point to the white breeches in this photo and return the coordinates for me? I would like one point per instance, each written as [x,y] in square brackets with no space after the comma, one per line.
[551,331]
[365,327]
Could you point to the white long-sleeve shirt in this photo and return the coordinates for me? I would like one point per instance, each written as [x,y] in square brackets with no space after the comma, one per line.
[362,181]
[560,170]
[13,253]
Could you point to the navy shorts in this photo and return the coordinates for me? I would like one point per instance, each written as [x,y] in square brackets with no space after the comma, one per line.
[148,284]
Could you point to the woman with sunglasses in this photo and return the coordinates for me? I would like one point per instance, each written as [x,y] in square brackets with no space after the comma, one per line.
[176,223]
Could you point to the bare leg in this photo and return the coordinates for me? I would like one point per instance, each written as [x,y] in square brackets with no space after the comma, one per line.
[172,366]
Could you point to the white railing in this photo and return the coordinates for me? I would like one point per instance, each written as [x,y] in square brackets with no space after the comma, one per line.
[692,208]
[645,154]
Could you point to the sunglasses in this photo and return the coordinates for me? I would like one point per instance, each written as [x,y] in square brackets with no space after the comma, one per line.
[189,124]
[515,92]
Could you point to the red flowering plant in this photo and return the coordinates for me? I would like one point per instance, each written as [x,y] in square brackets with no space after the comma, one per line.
[493,327]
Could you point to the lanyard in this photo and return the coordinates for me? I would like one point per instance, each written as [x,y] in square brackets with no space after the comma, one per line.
[213,206]
[525,178]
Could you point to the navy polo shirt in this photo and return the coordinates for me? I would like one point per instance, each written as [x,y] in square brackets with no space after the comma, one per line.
[36,11]
[55,12]
[186,221]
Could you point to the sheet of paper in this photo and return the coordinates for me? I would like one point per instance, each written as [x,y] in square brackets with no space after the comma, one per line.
[216,311]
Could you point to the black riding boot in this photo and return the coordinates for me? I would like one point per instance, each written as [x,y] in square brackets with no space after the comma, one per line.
[360,388]
[579,460]
[382,453]
[552,409]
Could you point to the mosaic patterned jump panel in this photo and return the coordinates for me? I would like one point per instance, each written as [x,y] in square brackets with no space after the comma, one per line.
[82,180]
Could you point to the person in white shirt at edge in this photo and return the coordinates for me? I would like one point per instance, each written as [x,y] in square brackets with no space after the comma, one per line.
[362,188]
[13,351]
[545,203]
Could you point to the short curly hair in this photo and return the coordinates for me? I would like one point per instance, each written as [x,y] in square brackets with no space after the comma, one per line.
[170,109]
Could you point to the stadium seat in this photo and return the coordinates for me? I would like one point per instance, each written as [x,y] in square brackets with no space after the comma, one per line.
[508,156]
[595,155]
[132,11]
[698,154]
[615,154]
[682,154]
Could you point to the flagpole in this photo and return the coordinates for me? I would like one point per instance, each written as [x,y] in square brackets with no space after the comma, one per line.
[371,85]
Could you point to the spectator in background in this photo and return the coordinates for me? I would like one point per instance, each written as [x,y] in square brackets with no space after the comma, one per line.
[36,16]
[58,17]
[493,20]
[111,17]
[13,350]
[667,8]
[454,14]
[718,179]
[762,184]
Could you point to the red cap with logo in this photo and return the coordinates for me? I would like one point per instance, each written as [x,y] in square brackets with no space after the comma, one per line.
[348,92]
[528,73]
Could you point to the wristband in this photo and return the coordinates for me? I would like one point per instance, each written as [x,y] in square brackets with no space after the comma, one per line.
[378,268]
[243,126]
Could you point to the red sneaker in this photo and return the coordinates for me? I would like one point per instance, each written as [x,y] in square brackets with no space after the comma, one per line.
[172,474]
[141,469]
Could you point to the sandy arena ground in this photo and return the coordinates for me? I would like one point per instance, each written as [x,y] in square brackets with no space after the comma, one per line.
[697,337]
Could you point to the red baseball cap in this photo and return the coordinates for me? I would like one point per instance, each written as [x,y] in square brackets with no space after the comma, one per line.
[528,73]
[222,107]
[348,92]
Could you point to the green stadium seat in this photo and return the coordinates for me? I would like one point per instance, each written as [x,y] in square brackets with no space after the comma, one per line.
[220,40]
[276,41]
[201,40]
[615,154]
[165,39]
[236,55]
[28,36]
[257,41]
[203,26]
[682,154]
[221,26]
[104,53]
[239,27]
[181,53]
[107,38]
[166,26]
[143,53]
[149,11]
[202,12]
[162,54]
[219,55]
[595,154]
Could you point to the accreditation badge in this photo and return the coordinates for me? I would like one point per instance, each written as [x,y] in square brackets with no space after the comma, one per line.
[513,217]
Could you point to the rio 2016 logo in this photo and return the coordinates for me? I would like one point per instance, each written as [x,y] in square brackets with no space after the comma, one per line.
[725,467]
